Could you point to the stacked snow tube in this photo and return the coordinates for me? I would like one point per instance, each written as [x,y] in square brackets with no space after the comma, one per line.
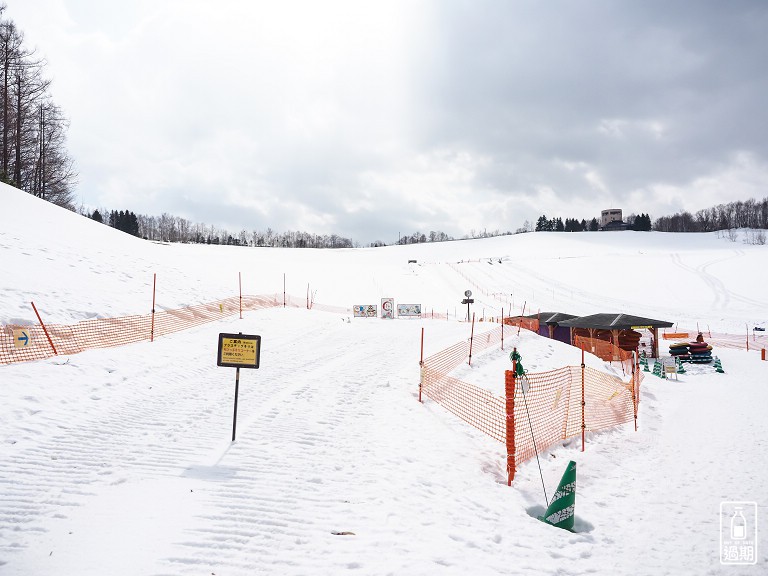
[680,350]
[700,352]
[629,340]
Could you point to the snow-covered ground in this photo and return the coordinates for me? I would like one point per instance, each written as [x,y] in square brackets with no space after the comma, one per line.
[119,461]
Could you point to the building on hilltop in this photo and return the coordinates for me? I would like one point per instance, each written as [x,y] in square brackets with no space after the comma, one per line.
[611,219]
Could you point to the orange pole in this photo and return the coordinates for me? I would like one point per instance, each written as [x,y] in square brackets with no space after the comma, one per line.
[583,404]
[421,363]
[152,329]
[471,338]
[747,325]
[502,327]
[763,354]
[635,372]
[509,390]
[240,283]
[44,329]
[519,324]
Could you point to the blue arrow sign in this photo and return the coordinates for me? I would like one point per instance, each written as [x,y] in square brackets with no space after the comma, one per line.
[24,338]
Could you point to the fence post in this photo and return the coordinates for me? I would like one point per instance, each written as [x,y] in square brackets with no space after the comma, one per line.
[471,338]
[635,391]
[152,328]
[421,364]
[747,325]
[44,329]
[502,327]
[763,354]
[583,404]
[509,391]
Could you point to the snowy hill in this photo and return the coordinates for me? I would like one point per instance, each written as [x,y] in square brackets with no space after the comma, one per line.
[119,461]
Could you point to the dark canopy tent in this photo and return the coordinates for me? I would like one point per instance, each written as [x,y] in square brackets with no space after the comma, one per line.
[550,325]
[619,328]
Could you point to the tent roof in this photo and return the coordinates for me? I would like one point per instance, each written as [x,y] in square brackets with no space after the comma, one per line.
[551,317]
[614,322]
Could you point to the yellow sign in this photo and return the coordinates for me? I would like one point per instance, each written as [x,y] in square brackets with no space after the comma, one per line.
[21,337]
[239,350]
[642,327]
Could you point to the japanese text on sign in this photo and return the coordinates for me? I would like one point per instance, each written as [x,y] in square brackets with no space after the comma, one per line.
[239,350]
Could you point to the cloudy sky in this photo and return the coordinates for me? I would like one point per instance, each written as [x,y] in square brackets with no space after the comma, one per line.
[371,120]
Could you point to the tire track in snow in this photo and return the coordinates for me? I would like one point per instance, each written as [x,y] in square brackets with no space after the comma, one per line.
[310,432]
[721,295]
[128,433]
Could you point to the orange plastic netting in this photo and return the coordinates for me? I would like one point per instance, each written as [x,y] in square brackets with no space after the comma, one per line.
[109,332]
[606,350]
[549,412]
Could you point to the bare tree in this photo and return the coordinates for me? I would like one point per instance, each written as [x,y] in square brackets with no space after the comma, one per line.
[33,154]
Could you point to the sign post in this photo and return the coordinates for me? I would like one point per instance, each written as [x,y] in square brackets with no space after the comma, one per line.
[238,351]
[468,301]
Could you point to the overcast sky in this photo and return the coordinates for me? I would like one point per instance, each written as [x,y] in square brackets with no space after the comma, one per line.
[371,120]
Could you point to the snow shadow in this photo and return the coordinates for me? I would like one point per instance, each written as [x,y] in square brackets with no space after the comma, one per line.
[211,473]
[580,526]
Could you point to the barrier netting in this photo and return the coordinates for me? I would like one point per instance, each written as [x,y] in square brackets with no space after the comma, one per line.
[553,400]
[531,324]
[606,351]
[109,332]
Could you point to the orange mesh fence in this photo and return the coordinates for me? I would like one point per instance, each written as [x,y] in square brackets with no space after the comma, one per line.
[445,361]
[476,406]
[531,324]
[605,350]
[109,332]
[554,404]
[553,401]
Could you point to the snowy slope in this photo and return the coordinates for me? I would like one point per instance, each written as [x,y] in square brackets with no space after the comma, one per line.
[119,461]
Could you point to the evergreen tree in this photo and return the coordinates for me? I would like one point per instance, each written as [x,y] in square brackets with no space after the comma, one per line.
[543,224]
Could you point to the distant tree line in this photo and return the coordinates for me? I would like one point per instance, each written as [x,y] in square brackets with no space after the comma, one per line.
[543,224]
[168,228]
[33,128]
[437,236]
[747,214]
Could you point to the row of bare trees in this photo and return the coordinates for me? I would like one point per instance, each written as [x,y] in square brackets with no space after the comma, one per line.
[741,214]
[168,228]
[33,128]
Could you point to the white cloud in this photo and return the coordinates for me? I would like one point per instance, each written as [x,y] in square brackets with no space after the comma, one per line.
[366,119]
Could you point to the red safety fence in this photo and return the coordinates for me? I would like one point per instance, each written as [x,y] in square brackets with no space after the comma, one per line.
[476,406]
[531,324]
[558,404]
[606,351]
[46,340]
